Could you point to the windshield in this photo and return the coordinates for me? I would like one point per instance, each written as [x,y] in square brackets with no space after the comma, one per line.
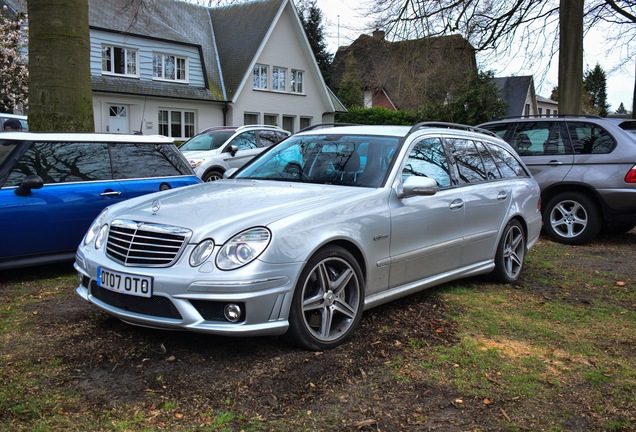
[349,160]
[207,141]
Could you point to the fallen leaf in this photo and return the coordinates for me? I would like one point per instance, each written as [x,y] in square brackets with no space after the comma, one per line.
[487,401]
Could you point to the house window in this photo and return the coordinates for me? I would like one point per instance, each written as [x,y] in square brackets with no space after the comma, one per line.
[176,123]
[540,111]
[288,123]
[547,112]
[119,61]
[249,118]
[305,122]
[270,119]
[169,67]
[260,77]
[297,81]
[527,110]
[279,78]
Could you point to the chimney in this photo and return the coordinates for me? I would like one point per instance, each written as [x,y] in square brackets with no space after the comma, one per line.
[378,34]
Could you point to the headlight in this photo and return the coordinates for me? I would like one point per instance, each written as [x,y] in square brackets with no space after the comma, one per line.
[101,236]
[201,252]
[243,248]
[95,227]
[195,162]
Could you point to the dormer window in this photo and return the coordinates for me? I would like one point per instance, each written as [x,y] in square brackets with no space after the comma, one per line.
[260,77]
[119,61]
[169,67]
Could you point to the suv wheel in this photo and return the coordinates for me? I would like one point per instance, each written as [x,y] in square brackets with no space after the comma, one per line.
[571,218]
[212,175]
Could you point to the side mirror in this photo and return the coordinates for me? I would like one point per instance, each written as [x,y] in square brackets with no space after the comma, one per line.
[417,186]
[233,150]
[29,183]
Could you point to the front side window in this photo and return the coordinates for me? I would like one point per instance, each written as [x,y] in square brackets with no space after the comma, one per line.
[540,138]
[279,78]
[119,61]
[428,159]
[297,79]
[176,123]
[151,160]
[245,141]
[62,163]
[169,67]
[260,77]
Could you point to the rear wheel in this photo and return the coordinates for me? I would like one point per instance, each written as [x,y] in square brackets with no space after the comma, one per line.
[212,175]
[328,300]
[511,253]
[571,218]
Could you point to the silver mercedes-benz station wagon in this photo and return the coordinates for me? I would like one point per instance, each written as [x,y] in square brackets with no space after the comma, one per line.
[318,228]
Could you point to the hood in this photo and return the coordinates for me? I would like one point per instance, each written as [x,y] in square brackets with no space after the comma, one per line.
[200,154]
[223,208]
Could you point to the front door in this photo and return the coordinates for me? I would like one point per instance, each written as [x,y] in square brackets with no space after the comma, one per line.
[118,119]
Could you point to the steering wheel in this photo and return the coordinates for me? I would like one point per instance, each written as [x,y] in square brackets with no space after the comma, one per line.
[295,170]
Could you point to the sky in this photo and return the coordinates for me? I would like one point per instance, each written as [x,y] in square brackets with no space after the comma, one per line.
[343,23]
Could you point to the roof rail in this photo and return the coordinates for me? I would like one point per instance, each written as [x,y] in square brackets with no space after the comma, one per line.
[591,116]
[264,126]
[446,125]
[326,125]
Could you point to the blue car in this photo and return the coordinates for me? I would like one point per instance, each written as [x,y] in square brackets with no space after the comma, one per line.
[52,186]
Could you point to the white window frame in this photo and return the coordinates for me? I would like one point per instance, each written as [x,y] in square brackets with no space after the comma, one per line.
[131,61]
[159,67]
[187,120]
[279,78]
[297,81]
[260,77]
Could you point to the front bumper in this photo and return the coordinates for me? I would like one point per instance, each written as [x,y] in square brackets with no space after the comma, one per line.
[186,298]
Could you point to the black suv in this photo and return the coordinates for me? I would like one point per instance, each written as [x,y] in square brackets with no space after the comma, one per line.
[586,167]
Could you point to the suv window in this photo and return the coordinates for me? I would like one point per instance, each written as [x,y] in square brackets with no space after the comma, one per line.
[428,159]
[540,138]
[590,138]
[62,163]
[245,141]
[211,140]
[269,138]
[158,161]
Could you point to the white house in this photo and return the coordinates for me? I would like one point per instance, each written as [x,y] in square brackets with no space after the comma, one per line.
[173,68]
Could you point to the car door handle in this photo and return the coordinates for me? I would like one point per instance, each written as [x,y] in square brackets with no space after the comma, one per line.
[456,204]
[555,162]
[110,193]
[502,195]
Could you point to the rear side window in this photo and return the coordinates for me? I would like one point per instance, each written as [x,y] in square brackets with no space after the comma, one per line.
[269,138]
[470,165]
[590,138]
[540,138]
[146,160]
[508,165]
[62,163]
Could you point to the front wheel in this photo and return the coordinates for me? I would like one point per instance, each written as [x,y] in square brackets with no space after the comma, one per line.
[212,175]
[571,218]
[328,300]
[510,255]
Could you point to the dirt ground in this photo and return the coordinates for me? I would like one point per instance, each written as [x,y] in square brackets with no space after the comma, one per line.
[115,365]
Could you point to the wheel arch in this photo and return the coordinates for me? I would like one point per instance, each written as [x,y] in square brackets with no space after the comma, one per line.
[353,249]
[557,188]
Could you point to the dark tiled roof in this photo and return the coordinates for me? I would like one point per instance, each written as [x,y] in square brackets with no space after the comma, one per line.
[240,30]
[514,90]
[110,84]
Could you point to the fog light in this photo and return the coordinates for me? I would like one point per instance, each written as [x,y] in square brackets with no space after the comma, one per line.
[232,313]
[80,278]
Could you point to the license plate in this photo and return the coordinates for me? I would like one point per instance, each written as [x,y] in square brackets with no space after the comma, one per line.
[124,283]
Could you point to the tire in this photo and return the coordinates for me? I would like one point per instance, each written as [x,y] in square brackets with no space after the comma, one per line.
[212,175]
[328,300]
[511,253]
[571,218]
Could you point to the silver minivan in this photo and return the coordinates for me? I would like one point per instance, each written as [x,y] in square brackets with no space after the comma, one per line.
[586,167]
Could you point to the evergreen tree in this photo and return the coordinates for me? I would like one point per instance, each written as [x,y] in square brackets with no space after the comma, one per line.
[621,109]
[311,19]
[350,92]
[595,85]
[14,74]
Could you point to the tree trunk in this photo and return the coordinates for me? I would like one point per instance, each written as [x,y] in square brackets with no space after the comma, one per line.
[570,56]
[634,97]
[60,96]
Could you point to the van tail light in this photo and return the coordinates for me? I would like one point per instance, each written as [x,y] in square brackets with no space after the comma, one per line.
[631,175]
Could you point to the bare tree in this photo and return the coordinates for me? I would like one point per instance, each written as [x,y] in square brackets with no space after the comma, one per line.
[498,26]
